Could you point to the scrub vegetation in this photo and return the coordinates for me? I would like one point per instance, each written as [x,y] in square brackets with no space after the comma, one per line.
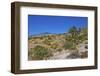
[68,45]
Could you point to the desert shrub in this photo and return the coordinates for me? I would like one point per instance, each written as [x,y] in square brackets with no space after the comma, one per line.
[69,45]
[49,37]
[80,38]
[54,45]
[59,49]
[75,39]
[77,36]
[83,37]
[68,38]
[84,54]
[41,38]
[47,42]
[84,32]
[41,52]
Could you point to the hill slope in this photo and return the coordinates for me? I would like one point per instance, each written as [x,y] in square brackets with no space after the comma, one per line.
[58,46]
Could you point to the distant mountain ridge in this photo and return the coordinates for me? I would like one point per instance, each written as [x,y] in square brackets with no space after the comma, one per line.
[41,34]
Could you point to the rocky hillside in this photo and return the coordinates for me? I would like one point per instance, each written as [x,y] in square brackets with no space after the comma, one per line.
[70,45]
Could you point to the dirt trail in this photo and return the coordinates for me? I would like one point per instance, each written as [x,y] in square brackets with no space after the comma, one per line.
[60,55]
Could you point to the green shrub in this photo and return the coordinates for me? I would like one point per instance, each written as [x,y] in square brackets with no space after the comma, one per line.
[41,52]
[74,39]
[69,45]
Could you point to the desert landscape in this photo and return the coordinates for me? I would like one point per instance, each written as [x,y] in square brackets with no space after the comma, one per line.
[72,44]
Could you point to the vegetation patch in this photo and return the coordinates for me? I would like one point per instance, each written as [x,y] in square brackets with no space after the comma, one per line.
[40,52]
[46,46]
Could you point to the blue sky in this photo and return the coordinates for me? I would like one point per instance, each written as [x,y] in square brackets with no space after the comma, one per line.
[54,24]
